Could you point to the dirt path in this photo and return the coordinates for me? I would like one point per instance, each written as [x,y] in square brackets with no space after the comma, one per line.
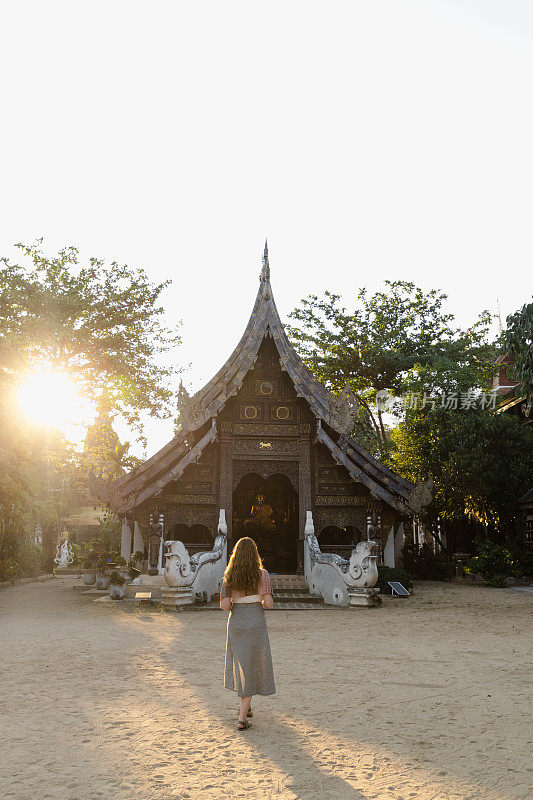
[423,698]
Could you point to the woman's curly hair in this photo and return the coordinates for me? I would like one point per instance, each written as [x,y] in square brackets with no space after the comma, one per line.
[243,572]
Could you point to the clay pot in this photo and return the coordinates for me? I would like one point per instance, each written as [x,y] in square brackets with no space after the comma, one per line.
[89,578]
[117,592]
[102,582]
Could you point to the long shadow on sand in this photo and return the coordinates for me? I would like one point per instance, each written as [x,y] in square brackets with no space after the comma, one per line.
[274,739]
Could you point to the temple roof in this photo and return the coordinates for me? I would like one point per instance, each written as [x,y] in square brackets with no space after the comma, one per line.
[151,477]
[264,320]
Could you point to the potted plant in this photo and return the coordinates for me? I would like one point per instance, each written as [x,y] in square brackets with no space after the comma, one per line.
[121,562]
[117,589]
[105,546]
[102,578]
[89,564]
[133,572]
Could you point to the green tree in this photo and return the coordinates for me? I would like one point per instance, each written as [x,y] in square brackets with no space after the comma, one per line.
[481,464]
[99,323]
[392,340]
[38,476]
[518,340]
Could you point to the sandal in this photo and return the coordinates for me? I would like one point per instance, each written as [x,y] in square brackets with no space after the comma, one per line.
[242,725]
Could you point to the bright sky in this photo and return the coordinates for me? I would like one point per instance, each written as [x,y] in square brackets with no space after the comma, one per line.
[368,139]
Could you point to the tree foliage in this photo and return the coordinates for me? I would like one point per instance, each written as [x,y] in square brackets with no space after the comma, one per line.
[518,340]
[99,323]
[391,340]
[39,475]
[494,563]
[481,464]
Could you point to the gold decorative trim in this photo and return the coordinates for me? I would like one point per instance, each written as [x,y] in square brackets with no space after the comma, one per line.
[335,500]
[200,499]
[335,489]
[274,447]
[250,412]
[266,388]
[265,429]
[282,412]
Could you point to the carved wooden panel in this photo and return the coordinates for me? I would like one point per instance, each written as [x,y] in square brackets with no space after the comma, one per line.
[266,388]
[282,412]
[265,469]
[336,488]
[265,447]
[265,429]
[251,412]
[340,500]
[191,498]
[339,517]
[192,515]
[327,471]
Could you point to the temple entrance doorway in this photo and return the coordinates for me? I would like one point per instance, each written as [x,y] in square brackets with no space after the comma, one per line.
[266,510]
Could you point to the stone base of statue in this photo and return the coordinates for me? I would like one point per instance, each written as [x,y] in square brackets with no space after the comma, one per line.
[175,597]
[364,597]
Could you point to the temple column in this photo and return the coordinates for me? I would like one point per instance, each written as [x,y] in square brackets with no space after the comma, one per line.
[389,556]
[226,476]
[138,542]
[125,542]
[304,495]
[398,541]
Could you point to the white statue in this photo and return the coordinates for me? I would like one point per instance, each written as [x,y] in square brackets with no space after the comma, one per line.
[363,567]
[64,555]
[177,569]
[38,535]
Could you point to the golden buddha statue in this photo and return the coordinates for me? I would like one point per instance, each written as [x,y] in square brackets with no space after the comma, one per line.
[261,515]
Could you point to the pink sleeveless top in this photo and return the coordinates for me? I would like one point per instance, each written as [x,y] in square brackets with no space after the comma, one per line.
[263,588]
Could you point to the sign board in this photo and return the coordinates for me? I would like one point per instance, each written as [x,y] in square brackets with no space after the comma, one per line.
[397,588]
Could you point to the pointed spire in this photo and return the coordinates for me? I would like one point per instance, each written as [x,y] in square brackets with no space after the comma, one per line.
[265,272]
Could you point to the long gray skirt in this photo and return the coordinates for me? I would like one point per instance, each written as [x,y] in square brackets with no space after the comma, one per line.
[248,668]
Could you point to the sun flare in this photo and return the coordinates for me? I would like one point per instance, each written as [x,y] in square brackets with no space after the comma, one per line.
[51,398]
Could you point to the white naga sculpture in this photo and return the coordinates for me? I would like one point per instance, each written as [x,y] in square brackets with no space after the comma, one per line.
[201,573]
[341,581]
[363,565]
[64,556]
[177,567]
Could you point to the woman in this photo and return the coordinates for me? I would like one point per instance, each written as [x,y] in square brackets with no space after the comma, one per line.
[245,593]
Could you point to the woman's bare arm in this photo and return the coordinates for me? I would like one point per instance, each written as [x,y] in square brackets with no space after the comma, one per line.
[225,597]
[265,590]
[226,603]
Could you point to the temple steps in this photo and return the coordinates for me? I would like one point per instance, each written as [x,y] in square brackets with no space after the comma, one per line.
[280,581]
[296,597]
[290,591]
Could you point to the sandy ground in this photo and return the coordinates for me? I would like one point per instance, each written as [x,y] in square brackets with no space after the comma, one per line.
[422,698]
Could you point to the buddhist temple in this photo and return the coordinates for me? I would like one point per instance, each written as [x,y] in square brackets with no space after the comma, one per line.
[268,444]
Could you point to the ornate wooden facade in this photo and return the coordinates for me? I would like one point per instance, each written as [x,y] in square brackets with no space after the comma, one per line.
[267,442]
